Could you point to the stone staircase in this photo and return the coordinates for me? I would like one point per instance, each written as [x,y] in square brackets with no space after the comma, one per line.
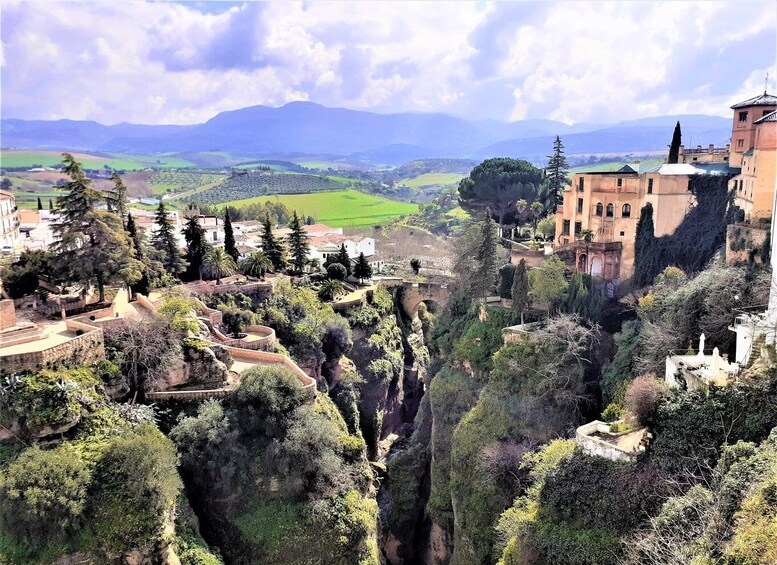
[17,335]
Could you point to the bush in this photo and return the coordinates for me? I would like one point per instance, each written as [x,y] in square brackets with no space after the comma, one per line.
[612,412]
[643,397]
[336,271]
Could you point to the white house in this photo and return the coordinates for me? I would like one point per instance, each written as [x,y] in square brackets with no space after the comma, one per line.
[9,223]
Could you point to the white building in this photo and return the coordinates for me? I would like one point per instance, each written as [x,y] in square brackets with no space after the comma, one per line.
[9,223]
[35,229]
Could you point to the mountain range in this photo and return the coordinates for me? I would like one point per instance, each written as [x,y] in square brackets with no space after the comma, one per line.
[309,128]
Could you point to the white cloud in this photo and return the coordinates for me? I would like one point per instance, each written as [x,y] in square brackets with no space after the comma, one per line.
[164,62]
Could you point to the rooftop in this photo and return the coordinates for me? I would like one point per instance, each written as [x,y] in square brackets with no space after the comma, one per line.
[764,99]
[771,117]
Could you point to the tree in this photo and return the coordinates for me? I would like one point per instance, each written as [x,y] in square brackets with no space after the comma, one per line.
[547,227]
[336,271]
[196,247]
[229,237]
[22,277]
[331,289]
[547,283]
[256,264]
[40,204]
[6,184]
[343,258]
[273,248]
[142,286]
[497,184]
[91,246]
[557,170]
[362,269]
[643,397]
[415,264]
[235,319]
[298,243]
[166,242]
[506,273]
[537,209]
[217,263]
[117,198]
[674,148]
[520,290]
[644,243]
[51,204]
[486,255]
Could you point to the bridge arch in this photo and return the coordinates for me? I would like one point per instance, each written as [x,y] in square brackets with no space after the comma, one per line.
[435,295]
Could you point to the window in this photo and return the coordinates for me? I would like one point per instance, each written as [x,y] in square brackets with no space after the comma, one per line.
[650,186]
[565,228]
[599,209]
[581,184]
[610,211]
[695,158]
[578,228]
[742,117]
[620,182]
[579,205]
[740,143]
[623,233]
[626,211]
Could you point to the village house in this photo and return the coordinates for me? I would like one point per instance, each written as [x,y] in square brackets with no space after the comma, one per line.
[9,223]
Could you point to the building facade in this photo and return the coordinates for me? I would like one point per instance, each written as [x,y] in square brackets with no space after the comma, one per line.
[9,223]
[755,185]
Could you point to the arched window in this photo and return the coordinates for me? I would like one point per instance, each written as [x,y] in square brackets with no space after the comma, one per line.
[610,211]
[599,209]
[627,210]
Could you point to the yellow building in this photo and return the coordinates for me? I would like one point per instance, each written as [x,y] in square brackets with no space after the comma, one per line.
[597,222]
[755,185]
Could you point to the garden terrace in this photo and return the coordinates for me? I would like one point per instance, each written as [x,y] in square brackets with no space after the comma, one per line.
[595,438]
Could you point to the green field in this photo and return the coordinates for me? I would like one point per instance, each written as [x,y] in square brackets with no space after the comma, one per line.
[433,179]
[14,159]
[339,208]
[185,183]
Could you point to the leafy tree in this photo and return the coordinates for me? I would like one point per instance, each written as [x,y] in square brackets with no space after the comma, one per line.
[299,248]
[362,270]
[256,264]
[520,290]
[229,237]
[547,227]
[22,276]
[674,148]
[92,247]
[236,319]
[117,198]
[196,247]
[40,204]
[557,170]
[547,283]
[6,184]
[537,209]
[166,242]
[273,248]
[415,264]
[336,271]
[217,263]
[497,184]
[506,273]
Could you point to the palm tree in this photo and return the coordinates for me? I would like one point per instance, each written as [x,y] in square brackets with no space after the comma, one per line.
[520,206]
[536,209]
[588,236]
[218,263]
[331,289]
[256,264]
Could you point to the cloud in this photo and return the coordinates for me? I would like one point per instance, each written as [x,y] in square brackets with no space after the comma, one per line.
[168,62]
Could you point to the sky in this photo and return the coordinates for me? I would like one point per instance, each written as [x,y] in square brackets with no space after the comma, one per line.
[183,62]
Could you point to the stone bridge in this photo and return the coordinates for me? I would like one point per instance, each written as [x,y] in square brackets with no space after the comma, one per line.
[434,294]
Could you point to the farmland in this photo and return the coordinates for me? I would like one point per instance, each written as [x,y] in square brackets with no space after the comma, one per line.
[343,208]
[432,179]
[166,182]
[28,159]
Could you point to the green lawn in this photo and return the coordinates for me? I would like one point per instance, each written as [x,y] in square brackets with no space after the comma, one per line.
[23,158]
[342,208]
[433,179]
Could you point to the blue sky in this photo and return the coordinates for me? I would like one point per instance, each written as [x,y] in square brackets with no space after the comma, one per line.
[183,62]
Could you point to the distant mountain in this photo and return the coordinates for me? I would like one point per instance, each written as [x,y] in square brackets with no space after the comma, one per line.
[305,127]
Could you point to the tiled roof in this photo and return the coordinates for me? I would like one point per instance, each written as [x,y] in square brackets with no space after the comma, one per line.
[770,117]
[335,239]
[764,99]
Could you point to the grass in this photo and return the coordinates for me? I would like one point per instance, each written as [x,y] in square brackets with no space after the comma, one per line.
[21,158]
[339,208]
[433,179]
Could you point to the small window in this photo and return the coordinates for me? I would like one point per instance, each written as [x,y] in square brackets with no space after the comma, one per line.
[626,211]
[581,184]
[620,182]
[740,143]
[579,205]
[650,186]
[742,117]
[695,158]
[610,210]
[578,228]
[741,183]
[623,233]
[599,209]
[565,228]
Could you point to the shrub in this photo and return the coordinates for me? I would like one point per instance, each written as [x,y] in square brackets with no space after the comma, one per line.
[612,412]
[643,396]
[336,271]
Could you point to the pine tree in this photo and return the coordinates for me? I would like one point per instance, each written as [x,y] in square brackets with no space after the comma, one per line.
[520,290]
[298,243]
[229,237]
[343,258]
[557,170]
[166,242]
[196,247]
[274,249]
[91,246]
[142,286]
[362,270]
[644,243]
[117,198]
[486,255]
[40,204]
[674,148]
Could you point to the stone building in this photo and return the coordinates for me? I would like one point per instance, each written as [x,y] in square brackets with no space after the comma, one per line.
[9,223]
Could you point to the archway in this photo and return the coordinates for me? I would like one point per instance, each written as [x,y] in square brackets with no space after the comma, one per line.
[596,266]
[582,263]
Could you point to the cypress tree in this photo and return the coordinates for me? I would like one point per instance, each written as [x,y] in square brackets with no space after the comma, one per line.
[40,204]
[343,259]
[362,270]
[166,242]
[196,247]
[520,290]
[298,243]
[486,255]
[51,204]
[557,170]
[272,247]
[143,284]
[674,148]
[229,237]
[644,243]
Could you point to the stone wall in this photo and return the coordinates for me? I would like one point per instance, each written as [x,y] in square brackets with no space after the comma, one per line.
[266,358]
[7,314]
[595,446]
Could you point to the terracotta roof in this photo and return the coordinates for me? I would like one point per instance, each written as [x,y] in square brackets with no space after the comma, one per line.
[771,117]
[764,99]
[335,239]
[29,216]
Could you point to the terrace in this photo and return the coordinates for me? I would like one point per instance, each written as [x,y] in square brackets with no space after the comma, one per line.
[597,438]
